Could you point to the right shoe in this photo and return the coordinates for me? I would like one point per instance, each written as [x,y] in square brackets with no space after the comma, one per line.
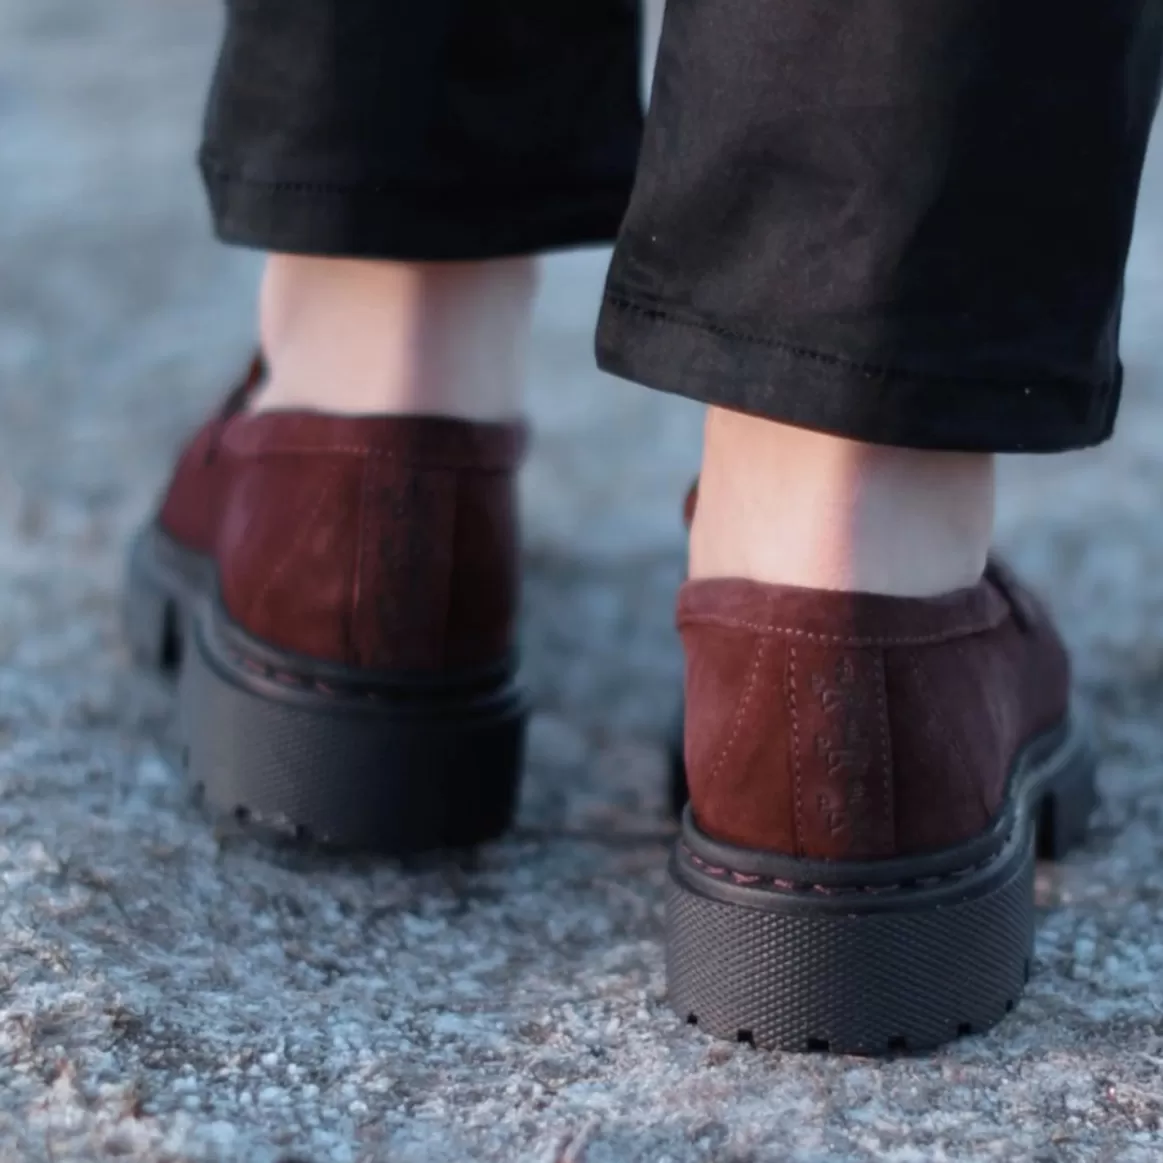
[870,781]
[349,677]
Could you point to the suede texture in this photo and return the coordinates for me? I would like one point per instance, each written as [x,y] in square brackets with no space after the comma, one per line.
[854,726]
[386,543]
[193,500]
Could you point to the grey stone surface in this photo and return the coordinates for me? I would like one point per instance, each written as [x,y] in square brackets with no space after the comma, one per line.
[168,993]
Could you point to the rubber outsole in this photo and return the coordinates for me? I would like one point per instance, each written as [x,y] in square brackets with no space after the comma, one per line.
[854,968]
[387,766]
[856,965]
[292,751]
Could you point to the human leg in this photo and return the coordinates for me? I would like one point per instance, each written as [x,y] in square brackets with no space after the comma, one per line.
[351,676]
[900,225]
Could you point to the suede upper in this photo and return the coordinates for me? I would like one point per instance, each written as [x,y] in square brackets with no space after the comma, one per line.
[378,542]
[190,508]
[853,726]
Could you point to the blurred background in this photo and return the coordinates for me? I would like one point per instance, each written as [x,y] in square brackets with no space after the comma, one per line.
[129,945]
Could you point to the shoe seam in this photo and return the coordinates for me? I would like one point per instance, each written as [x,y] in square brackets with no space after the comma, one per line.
[797,774]
[962,631]
[781,884]
[889,782]
[306,527]
[741,713]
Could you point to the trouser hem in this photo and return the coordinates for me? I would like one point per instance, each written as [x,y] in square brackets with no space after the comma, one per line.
[790,384]
[384,221]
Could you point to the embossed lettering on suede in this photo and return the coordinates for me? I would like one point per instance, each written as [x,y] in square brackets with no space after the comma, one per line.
[844,792]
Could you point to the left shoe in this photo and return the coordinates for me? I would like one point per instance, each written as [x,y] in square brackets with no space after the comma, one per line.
[171,559]
[337,597]
[351,677]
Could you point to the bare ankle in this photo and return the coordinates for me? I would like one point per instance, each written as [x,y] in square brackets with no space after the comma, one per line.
[789,506]
[421,338]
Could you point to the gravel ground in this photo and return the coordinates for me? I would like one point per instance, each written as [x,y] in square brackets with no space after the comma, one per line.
[171,994]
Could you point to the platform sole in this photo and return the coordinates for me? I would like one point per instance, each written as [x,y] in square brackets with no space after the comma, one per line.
[344,759]
[874,959]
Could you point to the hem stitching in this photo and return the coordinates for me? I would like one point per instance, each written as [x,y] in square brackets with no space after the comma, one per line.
[870,370]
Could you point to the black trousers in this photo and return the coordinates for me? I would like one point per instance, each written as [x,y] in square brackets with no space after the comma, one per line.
[902,221]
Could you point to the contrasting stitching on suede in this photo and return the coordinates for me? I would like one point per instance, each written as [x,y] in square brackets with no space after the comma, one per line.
[778,884]
[793,701]
[839,640]
[357,568]
[885,752]
[305,529]
[741,713]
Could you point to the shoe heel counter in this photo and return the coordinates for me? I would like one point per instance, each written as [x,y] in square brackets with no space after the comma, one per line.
[737,720]
[437,567]
[285,553]
[404,565]
[955,728]
[485,586]
[787,744]
[841,752]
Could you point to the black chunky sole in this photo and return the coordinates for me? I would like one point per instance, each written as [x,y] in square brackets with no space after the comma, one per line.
[321,754]
[876,958]
[162,584]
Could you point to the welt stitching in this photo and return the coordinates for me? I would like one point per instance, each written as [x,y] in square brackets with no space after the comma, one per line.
[780,884]
[301,682]
[741,713]
[840,640]
[819,356]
